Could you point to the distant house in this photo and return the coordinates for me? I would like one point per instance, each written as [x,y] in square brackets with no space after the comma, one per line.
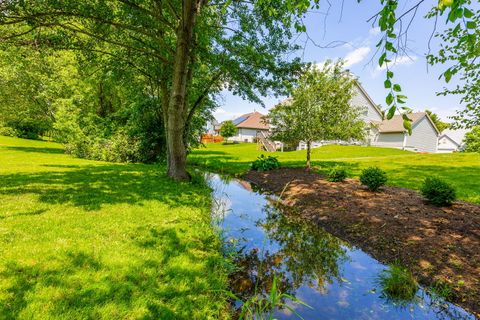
[392,134]
[451,140]
[249,125]
[212,127]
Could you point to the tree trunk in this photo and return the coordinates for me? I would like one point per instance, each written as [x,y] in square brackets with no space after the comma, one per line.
[309,151]
[176,113]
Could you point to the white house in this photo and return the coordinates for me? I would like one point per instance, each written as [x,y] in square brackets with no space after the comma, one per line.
[451,140]
[392,134]
[249,125]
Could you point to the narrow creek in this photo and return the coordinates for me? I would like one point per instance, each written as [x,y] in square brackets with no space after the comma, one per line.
[336,280]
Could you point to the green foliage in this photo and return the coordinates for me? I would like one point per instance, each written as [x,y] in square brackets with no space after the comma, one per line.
[337,174]
[319,108]
[102,240]
[262,306]
[438,192]
[441,289]
[397,283]
[472,140]
[228,129]
[264,163]
[459,47]
[437,121]
[373,178]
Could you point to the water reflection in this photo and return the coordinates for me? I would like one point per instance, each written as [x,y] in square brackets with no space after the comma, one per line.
[338,281]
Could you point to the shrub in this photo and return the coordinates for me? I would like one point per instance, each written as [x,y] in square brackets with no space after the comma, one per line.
[373,178]
[438,192]
[7,131]
[398,283]
[337,174]
[264,163]
[472,140]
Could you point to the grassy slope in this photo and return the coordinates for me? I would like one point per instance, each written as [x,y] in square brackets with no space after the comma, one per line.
[405,169]
[90,240]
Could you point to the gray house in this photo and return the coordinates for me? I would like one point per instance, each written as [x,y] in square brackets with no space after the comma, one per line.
[392,134]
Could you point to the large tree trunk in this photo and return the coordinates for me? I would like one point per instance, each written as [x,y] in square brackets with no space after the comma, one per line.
[309,152]
[176,113]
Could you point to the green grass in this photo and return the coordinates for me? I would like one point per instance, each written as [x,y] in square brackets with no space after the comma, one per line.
[397,283]
[404,169]
[90,240]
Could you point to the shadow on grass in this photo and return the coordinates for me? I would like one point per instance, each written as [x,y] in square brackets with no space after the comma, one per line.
[37,150]
[84,286]
[93,186]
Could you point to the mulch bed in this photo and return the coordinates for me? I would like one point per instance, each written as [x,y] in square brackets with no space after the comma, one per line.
[395,224]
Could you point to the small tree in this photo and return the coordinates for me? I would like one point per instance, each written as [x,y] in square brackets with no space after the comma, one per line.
[472,140]
[437,121]
[228,130]
[319,109]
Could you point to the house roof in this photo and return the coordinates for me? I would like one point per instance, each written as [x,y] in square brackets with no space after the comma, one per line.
[253,120]
[396,123]
[455,135]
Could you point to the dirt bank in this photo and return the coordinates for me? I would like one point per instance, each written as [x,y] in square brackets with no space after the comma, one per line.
[396,224]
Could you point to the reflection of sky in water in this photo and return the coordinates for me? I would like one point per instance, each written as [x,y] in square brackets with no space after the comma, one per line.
[354,295]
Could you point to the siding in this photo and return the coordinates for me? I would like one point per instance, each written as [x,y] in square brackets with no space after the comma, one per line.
[446,145]
[389,140]
[424,137]
[245,135]
[361,101]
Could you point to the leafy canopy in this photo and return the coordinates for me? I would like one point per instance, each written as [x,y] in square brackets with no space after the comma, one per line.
[228,129]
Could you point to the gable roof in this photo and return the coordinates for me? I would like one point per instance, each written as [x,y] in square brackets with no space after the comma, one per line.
[395,124]
[253,120]
[455,135]
[364,92]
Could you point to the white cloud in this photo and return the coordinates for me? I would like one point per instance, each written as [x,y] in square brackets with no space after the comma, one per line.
[399,61]
[356,56]
[221,114]
[374,31]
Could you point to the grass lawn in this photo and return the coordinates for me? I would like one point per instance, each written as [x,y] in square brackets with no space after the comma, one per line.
[90,240]
[404,169]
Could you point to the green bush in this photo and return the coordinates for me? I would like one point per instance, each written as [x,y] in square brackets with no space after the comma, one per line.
[398,283]
[373,178]
[337,174]
[8,132]
[264,163]
[438,192]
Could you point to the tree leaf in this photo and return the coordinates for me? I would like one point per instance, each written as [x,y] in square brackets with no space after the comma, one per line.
[391,112]
[389,99]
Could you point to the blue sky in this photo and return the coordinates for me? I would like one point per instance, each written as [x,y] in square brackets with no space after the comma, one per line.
[350,26]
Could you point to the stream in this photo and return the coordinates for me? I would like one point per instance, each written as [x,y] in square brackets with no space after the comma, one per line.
[335,279]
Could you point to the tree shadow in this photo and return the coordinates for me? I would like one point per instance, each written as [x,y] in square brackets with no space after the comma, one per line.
[93,186]
[86,285]
[36,150]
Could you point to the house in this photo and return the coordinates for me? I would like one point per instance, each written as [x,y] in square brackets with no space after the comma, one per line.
[451,140]
[212,127]
[249,125]
[392,134]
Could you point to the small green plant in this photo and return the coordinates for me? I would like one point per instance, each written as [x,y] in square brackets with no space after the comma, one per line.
[373,178]
[397,283]
[264,163]
[438,192]
[441,289]
[337,174]
[262,307]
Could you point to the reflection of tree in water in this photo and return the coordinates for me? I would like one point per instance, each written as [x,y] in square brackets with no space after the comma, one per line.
[307,256]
